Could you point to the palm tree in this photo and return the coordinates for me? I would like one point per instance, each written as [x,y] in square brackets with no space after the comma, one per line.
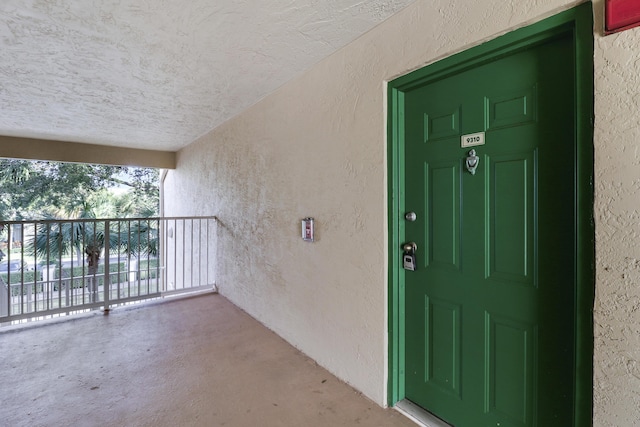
[86,235]
[91,237]
[52,240]
[139,239]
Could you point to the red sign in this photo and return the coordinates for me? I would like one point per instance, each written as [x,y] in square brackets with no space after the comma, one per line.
[621,15]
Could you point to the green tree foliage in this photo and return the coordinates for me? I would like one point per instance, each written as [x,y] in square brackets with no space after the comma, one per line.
[40,189]
[53,240]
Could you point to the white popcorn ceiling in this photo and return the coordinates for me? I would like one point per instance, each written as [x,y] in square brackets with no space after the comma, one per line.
[157,74]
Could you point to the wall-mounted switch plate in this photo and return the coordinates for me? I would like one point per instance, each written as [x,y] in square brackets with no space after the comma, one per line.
[307,230]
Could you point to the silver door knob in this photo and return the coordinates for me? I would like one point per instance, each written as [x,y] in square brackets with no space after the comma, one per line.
[410,247]
[410,216]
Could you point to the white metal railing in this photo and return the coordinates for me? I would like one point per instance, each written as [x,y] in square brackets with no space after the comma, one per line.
[65,266]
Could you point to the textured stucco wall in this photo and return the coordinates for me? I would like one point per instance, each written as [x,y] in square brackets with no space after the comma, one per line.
[317,146]
[617,216]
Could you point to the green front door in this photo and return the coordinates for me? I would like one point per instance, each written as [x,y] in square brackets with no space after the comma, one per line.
[490,332]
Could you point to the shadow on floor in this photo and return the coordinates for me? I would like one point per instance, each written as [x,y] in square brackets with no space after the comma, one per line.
[196,361]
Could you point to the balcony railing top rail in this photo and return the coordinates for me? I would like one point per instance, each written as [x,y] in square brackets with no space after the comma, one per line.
[132,219]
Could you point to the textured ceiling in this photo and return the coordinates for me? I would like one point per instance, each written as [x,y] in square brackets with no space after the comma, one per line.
[157,74]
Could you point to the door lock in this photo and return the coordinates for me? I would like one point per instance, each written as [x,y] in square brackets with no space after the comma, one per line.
[409,256]
[410,247]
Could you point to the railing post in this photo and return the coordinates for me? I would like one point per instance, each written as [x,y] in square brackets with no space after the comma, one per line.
[107,275]
[162,253]
[5,298]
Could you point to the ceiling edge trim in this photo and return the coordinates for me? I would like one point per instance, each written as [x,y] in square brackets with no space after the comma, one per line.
[74,152]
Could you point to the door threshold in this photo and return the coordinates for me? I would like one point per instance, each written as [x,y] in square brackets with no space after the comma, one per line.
[419,415]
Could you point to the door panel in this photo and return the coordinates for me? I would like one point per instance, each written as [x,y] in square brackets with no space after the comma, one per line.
[443,233]
[488,337]
[511,109]
[510,217]
[510,369]
[441,125]
[443,332]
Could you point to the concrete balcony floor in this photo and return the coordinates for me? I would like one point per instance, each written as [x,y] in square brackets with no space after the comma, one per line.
[196,361]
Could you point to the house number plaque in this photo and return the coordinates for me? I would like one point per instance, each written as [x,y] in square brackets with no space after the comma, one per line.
[472,139]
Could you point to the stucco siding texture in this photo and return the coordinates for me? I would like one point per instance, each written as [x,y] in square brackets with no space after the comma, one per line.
[617,215]
[317,147]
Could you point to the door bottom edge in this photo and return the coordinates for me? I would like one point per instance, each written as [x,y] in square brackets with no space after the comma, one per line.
[419,415]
